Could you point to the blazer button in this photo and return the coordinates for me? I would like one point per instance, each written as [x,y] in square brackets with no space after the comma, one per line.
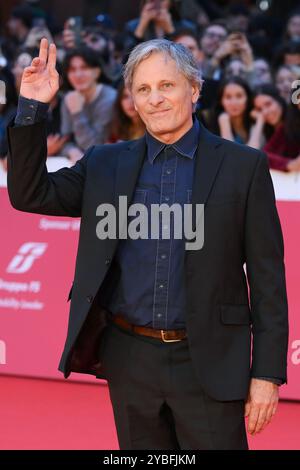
[107,261]
[89,298]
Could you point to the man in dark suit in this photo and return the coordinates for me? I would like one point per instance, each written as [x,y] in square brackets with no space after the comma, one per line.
[169,328]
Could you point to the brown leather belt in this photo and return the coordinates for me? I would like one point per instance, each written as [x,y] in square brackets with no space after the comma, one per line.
[167,336]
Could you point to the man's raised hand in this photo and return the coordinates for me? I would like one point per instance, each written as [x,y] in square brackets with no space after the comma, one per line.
[40,80]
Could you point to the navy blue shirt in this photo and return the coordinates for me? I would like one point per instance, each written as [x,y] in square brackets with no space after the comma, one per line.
[151,289]
[30,111]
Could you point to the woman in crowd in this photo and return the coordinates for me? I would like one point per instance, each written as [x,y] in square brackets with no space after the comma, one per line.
[271,106]
[283,149]
[127,124]
[86,110]
[232,118]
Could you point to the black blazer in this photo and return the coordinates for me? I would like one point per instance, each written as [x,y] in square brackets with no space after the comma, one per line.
[241,225]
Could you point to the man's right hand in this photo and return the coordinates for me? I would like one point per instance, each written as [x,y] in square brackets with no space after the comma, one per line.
[40,81]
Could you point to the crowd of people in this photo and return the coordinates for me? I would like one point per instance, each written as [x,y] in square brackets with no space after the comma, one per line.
[249,62]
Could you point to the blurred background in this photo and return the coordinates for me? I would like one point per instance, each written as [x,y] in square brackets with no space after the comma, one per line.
[248,53]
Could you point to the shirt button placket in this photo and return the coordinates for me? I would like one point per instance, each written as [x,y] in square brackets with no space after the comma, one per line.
[160,317]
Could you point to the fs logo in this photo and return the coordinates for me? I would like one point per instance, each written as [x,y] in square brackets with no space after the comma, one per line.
[27,254]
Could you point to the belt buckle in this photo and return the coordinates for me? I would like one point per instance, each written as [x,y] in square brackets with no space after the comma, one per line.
[167,340]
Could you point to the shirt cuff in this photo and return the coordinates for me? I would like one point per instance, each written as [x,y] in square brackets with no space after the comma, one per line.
[30,111]
[275,380]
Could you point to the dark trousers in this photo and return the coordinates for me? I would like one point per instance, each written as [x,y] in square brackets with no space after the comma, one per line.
[157,401]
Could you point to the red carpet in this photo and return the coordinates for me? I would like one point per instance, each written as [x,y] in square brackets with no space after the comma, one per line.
[45,414]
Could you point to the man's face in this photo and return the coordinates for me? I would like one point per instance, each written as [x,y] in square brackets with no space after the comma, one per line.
[81,75]
[262,71]
[190,43]
[284,79]
[212,39]
[163,97]
[294,27]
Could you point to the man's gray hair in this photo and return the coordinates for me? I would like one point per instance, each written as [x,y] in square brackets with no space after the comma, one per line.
[184,59]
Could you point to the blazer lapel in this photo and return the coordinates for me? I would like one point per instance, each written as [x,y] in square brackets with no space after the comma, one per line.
[209,157]
[129,165]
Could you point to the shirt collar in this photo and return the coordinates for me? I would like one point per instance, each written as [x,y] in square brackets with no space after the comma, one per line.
[185,146]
